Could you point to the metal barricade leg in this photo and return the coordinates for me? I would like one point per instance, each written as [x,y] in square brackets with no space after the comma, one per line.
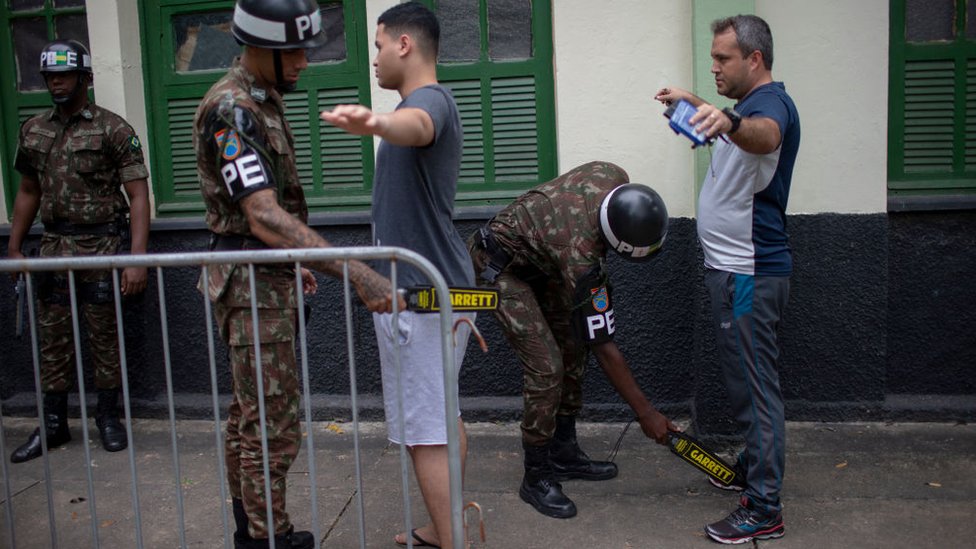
[306,396]
[214,393]
[8,500]
[35,354]
[126,406]
[177,475]
[83,401]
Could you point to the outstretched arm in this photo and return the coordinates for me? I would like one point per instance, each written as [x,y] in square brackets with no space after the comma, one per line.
[275,227]
[406,127]
[756,135]
[614,365]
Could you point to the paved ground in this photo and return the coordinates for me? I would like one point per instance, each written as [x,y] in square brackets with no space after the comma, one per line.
[848,485]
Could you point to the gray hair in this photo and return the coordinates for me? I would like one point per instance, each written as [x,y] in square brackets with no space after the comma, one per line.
[752,33]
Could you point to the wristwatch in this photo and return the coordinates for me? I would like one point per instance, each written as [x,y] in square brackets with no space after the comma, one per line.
[735,117]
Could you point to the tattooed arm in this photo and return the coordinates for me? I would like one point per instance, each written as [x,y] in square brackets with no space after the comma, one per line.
[278,229]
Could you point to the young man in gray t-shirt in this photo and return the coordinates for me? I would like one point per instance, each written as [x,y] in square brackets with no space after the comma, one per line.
[413,200]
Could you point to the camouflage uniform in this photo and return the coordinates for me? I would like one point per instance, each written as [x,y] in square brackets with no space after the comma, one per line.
[216,136]
[80,165]
[551,235]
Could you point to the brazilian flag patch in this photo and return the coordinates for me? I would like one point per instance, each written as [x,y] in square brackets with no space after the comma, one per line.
[135,144]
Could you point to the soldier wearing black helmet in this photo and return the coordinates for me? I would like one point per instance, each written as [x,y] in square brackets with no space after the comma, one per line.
[79,163]
[249,181]
[546,254]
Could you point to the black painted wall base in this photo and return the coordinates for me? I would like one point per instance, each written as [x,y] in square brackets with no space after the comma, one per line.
[879,326]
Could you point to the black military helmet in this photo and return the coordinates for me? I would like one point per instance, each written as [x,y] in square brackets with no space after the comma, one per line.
[634,221]
[65,56]
[278,24]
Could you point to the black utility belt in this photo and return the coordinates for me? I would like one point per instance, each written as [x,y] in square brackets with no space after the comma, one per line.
[67,228]
[235,242]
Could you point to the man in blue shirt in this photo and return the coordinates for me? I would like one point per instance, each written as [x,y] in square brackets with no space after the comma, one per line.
[748,261]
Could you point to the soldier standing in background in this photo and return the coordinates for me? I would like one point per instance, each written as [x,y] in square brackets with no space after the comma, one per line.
[249,180]
[75,160]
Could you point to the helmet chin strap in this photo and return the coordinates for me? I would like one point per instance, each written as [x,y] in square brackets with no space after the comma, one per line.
[280,84]
[81,86]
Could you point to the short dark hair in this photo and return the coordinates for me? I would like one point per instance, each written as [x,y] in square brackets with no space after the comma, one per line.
[416,20]
[751,32]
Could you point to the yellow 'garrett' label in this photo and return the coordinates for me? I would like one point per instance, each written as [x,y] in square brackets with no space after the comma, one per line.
[462,299]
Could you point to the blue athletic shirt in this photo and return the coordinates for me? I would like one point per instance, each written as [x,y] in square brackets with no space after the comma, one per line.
[742,205]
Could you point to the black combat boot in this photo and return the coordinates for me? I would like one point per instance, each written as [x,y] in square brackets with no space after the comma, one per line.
[240,520]
[569,461]
[113,434]
[289,540]
[539,489]
[56,425]
[243,540]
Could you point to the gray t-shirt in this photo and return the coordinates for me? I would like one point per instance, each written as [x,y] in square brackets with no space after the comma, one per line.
[413,194]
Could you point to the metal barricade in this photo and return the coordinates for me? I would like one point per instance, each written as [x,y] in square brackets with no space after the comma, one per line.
[202,260]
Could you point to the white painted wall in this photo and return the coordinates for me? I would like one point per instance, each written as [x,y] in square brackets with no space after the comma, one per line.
[113,31]
[381,100]
[833,57]
[610,59]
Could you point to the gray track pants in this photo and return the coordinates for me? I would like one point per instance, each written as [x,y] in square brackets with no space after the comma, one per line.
[746,311]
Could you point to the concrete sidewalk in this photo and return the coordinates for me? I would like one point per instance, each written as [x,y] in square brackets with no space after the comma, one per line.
[848,485]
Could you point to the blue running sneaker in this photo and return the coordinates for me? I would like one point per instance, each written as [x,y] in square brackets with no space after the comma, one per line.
[746,524]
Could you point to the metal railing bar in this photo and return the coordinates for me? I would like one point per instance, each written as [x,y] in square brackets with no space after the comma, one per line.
[307,397]
[283,255]
[401,420]
[73,294]
[354,403]
[214,393]
[35,354]
[124,365]
[167,362]
[9,511]
[259,383]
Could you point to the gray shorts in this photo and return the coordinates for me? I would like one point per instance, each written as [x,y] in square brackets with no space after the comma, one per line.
[421,374]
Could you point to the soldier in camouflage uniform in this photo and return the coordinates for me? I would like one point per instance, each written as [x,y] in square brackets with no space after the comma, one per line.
[75,160]
[249,181]
[546,253]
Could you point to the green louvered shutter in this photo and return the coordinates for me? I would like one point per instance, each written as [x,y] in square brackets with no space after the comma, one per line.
[515,129]
[929,116]
[504,89]
[297,114]
[931,103]
[182,157]
[467,95]
[341,152]
[970,161]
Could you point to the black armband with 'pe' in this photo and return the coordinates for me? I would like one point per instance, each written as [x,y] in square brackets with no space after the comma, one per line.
[593,320]
[241,152]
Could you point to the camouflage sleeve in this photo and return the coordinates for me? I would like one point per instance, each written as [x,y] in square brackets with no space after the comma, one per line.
[593,321]
[240,148]
[127,154]
[22,160]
